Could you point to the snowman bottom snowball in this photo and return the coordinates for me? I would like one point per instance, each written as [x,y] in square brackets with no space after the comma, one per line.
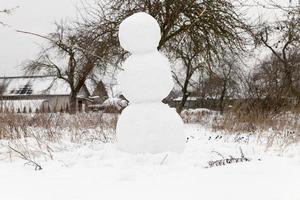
[150,128]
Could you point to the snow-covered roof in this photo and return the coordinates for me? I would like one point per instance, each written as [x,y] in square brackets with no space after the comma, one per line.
[34,85]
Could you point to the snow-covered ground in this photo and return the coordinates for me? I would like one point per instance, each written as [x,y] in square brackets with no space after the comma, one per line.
[94,170]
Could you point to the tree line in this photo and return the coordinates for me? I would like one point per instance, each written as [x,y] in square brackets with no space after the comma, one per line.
[207,42]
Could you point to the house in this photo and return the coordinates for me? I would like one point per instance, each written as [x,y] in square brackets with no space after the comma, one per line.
[27,94]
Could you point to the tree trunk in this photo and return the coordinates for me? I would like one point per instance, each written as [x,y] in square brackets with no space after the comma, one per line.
[73,102]
[184,90]
[182,102]
[222,96]
[221,100]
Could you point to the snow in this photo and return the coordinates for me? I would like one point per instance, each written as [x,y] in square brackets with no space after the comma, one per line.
[116,102]
[139,33]
[146,125]
[150,128]
[100,171]
[146,77]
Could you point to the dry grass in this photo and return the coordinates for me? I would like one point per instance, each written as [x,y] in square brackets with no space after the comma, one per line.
[34,135]
[197,115]
[278,129]
[31,136]
[16,126]
[274,129]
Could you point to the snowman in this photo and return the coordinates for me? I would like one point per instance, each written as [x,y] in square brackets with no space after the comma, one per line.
[147,125]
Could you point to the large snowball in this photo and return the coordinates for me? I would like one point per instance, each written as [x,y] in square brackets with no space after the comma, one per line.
[150,128]
[139,33]
[146,78]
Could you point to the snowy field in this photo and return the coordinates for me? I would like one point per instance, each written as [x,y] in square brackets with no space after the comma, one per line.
[95,170]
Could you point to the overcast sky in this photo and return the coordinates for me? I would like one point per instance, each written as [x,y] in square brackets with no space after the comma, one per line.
[32,15]
[38,16]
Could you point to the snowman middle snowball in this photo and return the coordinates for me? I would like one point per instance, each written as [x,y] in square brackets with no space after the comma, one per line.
[146,125]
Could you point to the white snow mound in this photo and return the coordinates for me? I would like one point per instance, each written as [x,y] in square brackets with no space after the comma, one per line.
[150,128]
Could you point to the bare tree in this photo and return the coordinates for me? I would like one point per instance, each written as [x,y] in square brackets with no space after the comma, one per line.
[71,55]
[190,63]
[226,75]
[190,29]
[283,47]
[267,83]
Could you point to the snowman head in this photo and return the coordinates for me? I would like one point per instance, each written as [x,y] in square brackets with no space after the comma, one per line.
[139,33]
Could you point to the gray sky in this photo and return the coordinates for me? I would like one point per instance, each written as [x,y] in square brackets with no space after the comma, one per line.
[32,15]
[38,16]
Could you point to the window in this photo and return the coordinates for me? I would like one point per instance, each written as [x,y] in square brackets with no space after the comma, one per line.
[25,90]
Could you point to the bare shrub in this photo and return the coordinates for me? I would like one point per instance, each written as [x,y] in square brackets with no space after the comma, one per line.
[197,115]
[251,117]
[280,129]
